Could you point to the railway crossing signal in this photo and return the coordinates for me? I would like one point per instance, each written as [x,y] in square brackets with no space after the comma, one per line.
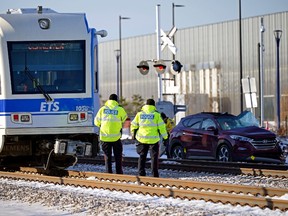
[166,40]
[160,66]
[176,67]
[143,67]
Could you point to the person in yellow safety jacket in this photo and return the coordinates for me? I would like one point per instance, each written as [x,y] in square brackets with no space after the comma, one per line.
[169,126]
[168,121]
[110,119]
[146,128]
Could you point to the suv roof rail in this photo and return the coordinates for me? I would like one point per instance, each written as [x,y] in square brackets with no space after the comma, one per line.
[215,113]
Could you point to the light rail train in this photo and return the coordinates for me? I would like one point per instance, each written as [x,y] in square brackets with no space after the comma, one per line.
[49,87]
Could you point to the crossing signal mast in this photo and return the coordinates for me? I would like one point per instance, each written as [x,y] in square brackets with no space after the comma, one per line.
[163,41]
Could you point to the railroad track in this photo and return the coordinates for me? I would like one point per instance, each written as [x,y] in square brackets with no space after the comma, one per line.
[263,197]
[206,166]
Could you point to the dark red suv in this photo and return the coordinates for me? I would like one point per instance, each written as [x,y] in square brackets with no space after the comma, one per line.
[223,137]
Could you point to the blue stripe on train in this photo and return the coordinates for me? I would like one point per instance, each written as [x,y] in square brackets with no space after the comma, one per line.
[40,105]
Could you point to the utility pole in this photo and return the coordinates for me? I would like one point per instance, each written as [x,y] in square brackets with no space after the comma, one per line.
[158,35]
[261,81]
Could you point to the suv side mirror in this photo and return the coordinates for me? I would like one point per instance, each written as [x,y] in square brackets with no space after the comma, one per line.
[212,128]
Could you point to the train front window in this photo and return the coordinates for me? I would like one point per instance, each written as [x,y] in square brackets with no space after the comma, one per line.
[52,67]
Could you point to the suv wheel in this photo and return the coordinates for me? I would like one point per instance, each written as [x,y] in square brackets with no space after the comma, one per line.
[224,153]
[177,152]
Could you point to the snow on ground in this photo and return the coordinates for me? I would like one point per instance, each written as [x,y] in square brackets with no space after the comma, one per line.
[22,198]
[15,208]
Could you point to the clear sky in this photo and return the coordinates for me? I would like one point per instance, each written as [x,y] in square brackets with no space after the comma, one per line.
[104,14]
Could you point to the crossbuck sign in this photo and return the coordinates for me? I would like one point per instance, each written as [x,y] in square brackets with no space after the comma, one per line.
[166,40]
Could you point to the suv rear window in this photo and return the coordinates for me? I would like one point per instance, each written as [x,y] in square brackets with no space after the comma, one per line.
[208,123]
[193,123]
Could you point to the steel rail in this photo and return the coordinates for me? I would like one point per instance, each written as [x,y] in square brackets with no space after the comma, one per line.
[141,187]
[211,167]
[185,184]
[254,165]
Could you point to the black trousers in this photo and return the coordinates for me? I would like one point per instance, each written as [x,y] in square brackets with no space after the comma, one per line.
[166,147]
[117,148]
[142,150]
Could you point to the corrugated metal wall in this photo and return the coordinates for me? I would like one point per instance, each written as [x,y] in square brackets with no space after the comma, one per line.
[203,48]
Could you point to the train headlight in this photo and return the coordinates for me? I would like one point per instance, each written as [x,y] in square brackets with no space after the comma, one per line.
[73,117]
[44,23]
[76,117]
[25,118]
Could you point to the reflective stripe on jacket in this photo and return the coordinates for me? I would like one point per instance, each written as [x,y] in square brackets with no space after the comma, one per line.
[110,119]
[149,125]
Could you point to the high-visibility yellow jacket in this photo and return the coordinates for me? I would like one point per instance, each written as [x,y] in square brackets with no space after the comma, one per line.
[149,125]
[110,119]
[169,124]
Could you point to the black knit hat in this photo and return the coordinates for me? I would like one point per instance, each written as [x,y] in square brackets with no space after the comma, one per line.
[113,97]
[150,102]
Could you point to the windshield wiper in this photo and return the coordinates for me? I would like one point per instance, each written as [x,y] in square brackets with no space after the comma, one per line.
[38,86]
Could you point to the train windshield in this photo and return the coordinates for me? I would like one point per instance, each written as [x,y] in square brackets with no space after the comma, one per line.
[47,67]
